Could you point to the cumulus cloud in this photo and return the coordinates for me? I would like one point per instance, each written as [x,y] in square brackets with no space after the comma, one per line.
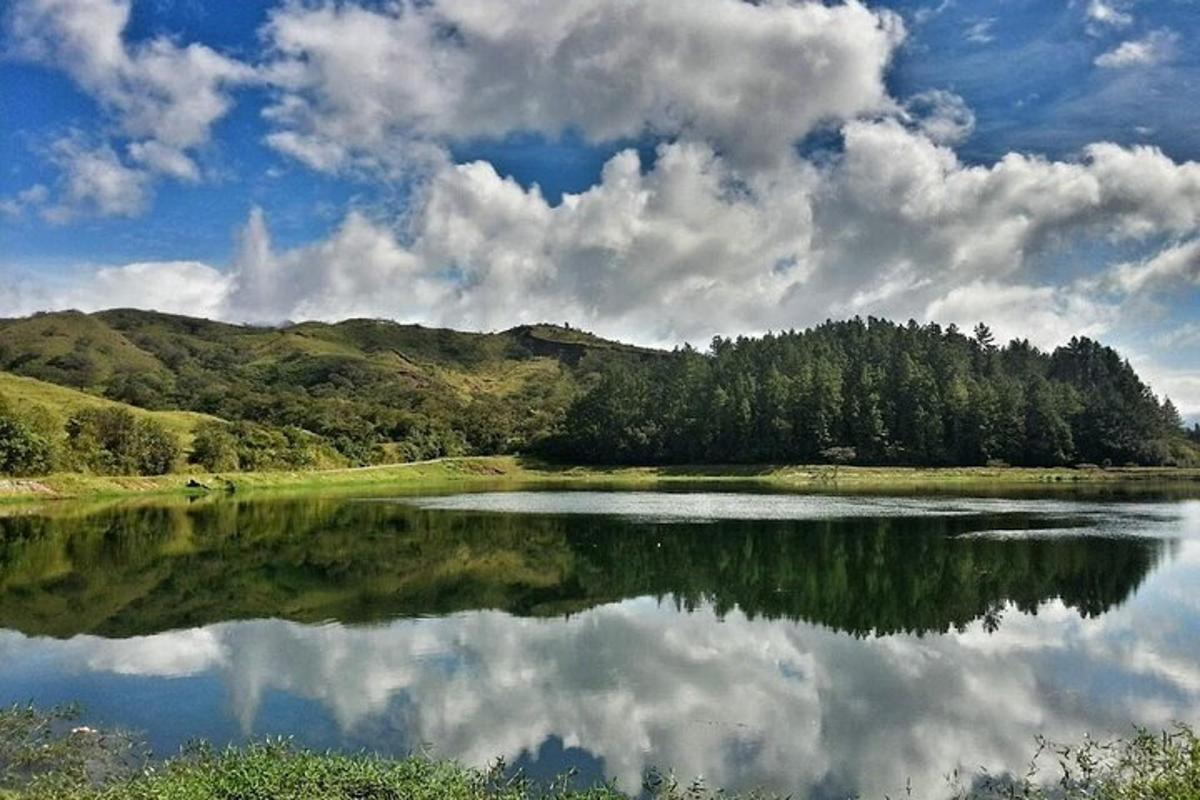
[164,97]
[1046,315]
[177,287]
[691,246]
[358,82]
[943,116]
[1154,48]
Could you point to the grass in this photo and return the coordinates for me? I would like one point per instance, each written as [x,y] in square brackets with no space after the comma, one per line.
[61,402]
[516,472]
[43,756]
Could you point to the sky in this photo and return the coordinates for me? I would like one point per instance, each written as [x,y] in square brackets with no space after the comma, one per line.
[653,171]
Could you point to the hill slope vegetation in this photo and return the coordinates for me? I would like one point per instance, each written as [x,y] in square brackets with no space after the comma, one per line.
[370,391]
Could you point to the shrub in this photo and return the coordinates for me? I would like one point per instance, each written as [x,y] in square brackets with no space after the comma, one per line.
[215,448]
[23,451]
[112,441]
[839,455]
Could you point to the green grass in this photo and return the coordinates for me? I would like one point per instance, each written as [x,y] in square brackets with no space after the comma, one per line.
[516,472]
[43,757]
[61,402]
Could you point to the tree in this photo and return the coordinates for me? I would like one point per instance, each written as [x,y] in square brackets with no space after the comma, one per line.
[113,441]
[984,337]
[157,449]
[1172,421]
[215,447]
[22,450]
[1048,440]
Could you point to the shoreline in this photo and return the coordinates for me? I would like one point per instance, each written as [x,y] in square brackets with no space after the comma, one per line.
[520,472]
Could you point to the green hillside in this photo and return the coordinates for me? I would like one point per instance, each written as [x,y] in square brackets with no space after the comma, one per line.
[375,390]
[29,395]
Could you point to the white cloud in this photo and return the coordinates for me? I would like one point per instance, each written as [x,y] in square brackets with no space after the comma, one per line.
[1178,263]
[178,287]
[31,197]
[163,96]
[981,32]
[897,226]
[361,270]
[943,116]
[1046,315]
[159,90]
[164,159]
[95,180]
[357,84]
[1108,14]
[1181,384]
[1154,48]
[704,240]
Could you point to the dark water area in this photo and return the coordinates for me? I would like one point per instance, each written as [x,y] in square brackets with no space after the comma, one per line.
[818,645]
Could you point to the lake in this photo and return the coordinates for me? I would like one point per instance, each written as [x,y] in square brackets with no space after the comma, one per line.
[821,645]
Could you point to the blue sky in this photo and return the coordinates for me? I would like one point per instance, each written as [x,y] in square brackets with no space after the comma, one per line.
[733,169]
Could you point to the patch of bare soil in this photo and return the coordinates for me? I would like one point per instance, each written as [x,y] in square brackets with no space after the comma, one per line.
[23,486]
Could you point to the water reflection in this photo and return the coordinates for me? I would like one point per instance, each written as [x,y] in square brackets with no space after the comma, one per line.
[719,649]
[133,571]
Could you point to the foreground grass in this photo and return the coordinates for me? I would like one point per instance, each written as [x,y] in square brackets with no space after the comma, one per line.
[42,757]
[515,472]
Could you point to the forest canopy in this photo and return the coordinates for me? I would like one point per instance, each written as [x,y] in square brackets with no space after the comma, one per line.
[876,392]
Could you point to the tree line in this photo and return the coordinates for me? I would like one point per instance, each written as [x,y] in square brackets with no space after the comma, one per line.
[875,392]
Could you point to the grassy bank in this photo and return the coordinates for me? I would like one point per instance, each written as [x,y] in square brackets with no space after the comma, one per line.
[514,472]
[43,756]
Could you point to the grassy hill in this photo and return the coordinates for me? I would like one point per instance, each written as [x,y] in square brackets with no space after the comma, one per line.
[374,389]
[60,402]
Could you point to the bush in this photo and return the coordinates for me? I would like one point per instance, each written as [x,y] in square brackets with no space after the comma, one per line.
[220,447]
[23,451]
[215,448]
[112,441]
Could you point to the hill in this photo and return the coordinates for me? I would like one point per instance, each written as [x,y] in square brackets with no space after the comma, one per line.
[366,391]
[376,390]
[29,395]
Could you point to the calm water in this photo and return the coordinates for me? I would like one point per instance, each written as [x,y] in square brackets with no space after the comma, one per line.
[819,645]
